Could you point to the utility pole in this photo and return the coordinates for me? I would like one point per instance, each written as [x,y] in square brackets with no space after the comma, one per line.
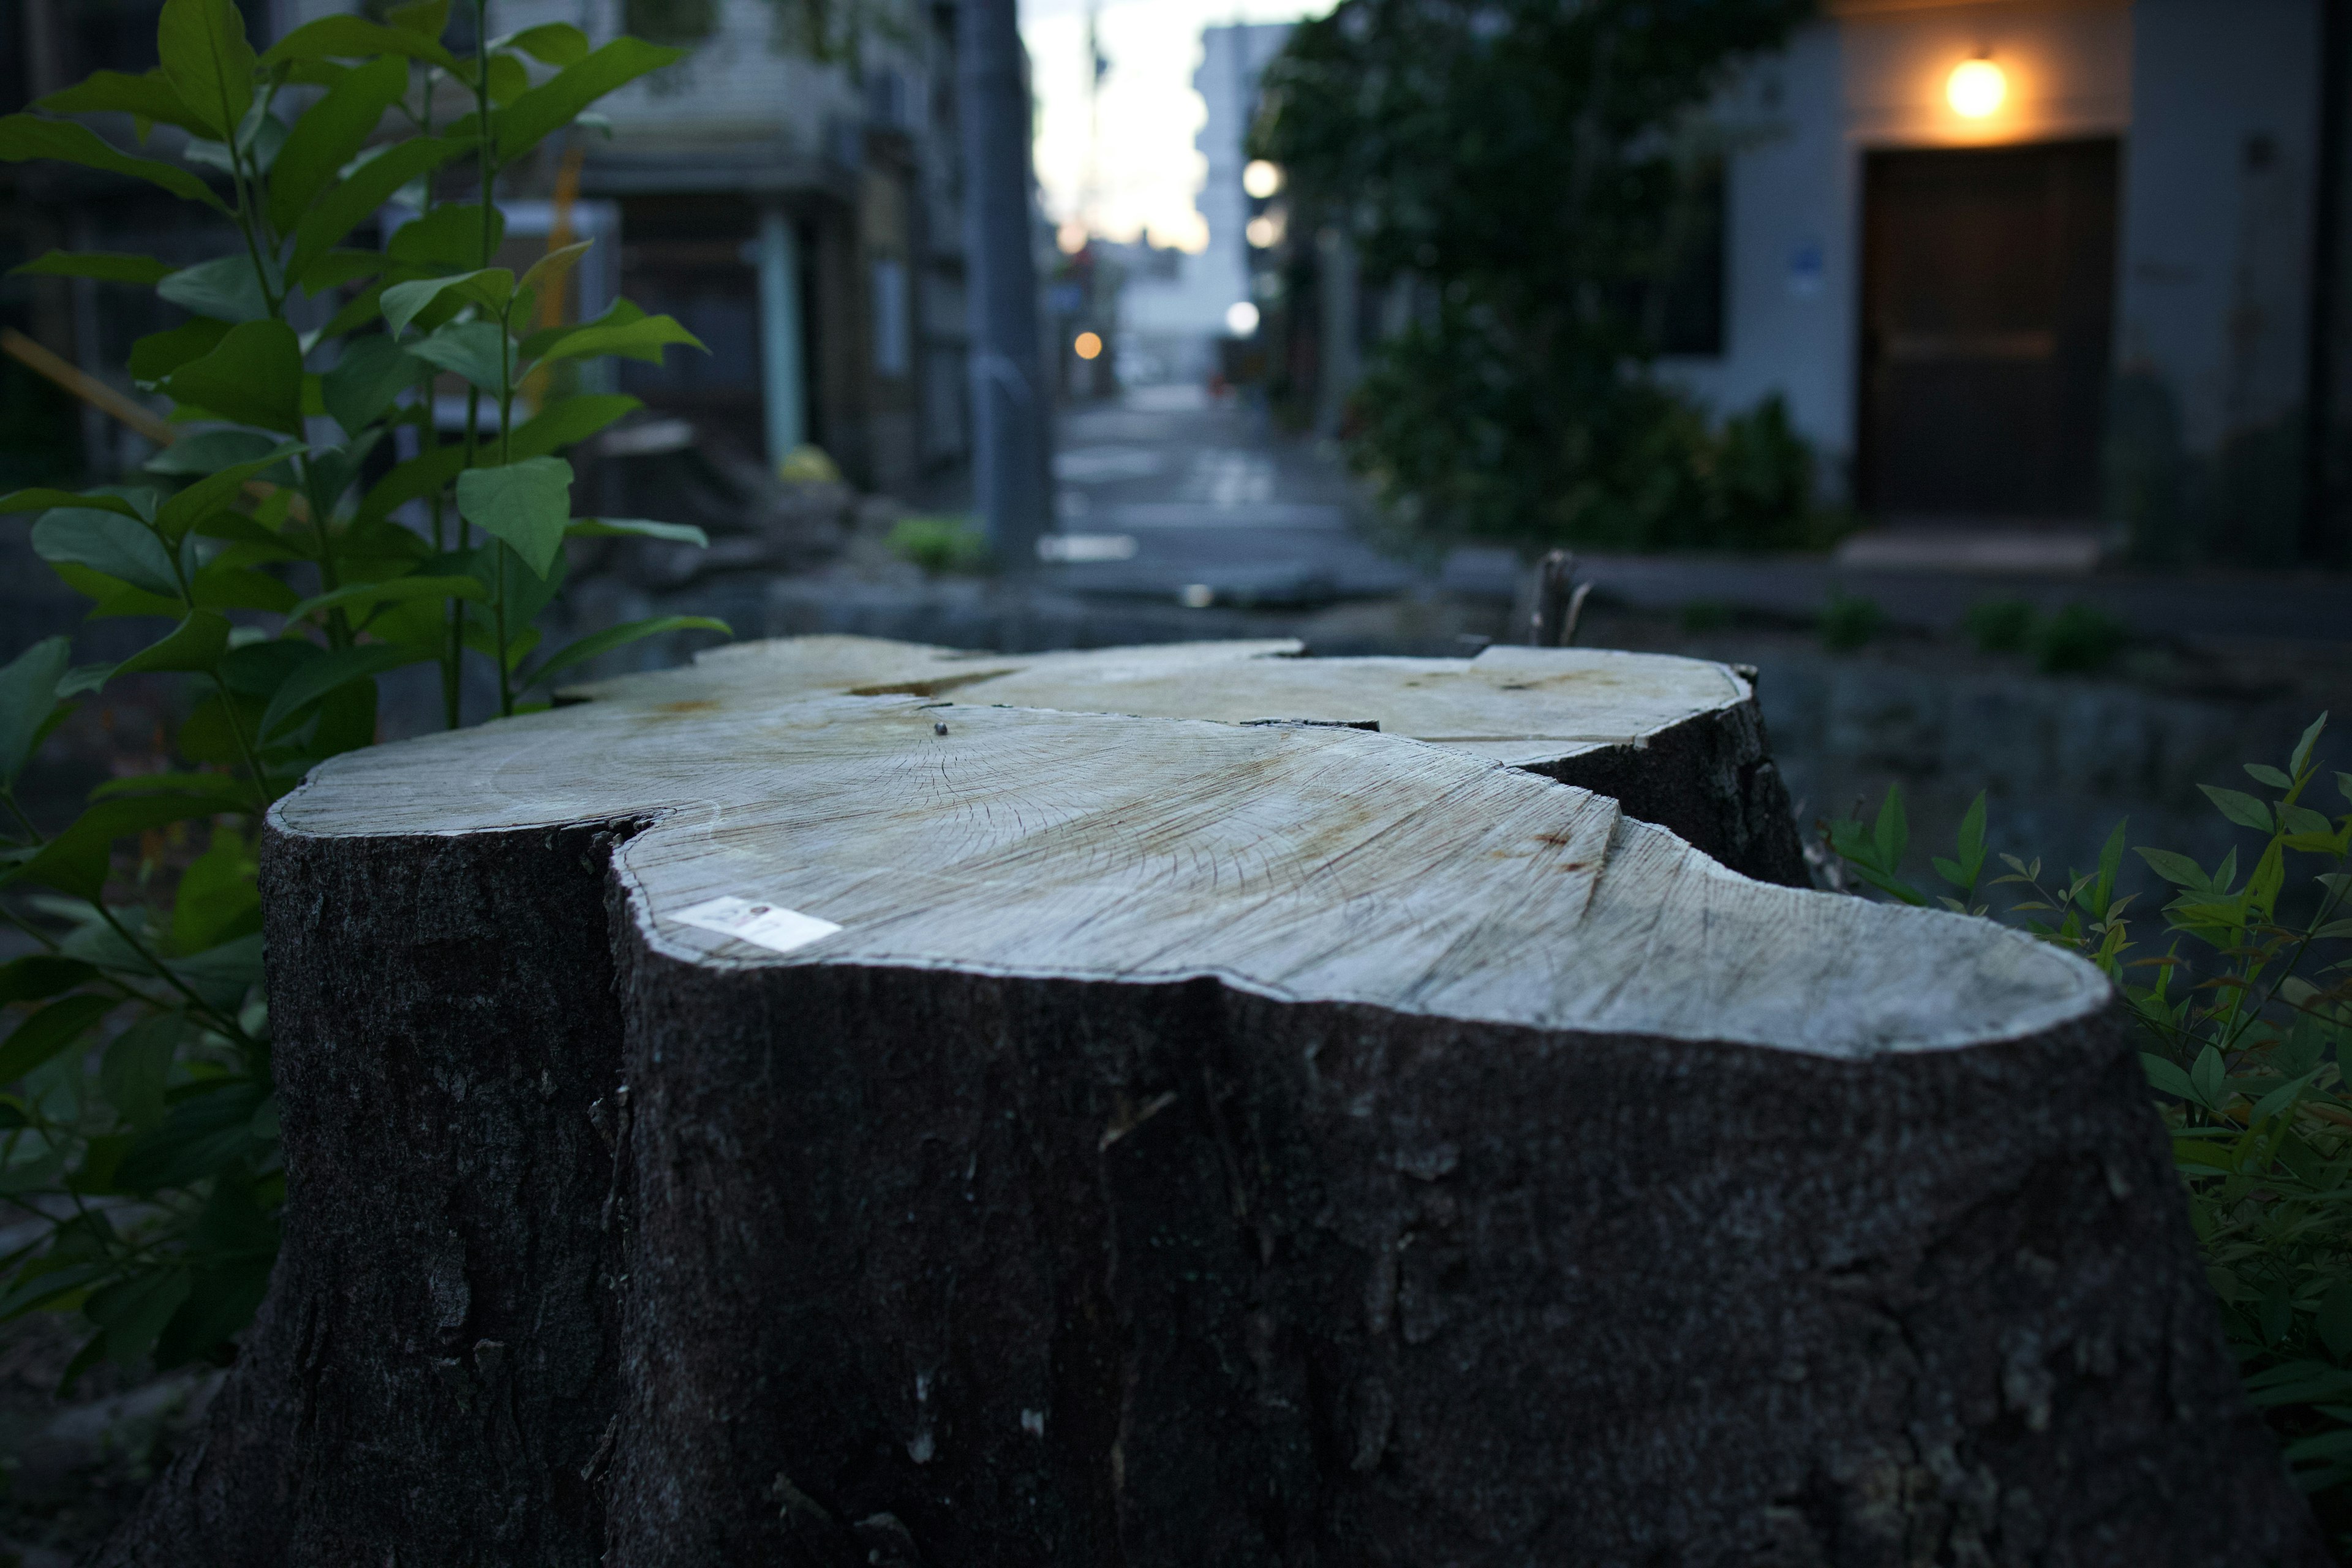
[1012,479]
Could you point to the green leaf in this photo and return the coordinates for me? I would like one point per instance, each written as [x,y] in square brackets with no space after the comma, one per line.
[329,673]
[49,1031]
[2178,869]
[2303,748]
[354,37]
[394,590]
[448,236]
[2207,1080]
[489,287]
[28,696]
[374,372]
[40,975]
[638,528]
[2263,773]
[642,339]
[225,289]
[330,133]
[106,266]
[75,862]
[605,641]
[2239,807]
[137,1066]
[121,547]
[2111,860]
[44,500]
[158,354]
[413,480]
[552,104]
[508,79]
[567,420]
[196,644]
[1890,835]
[554,265]
[27,136]
[200,1134]
[2166,1078]
[526,504]
[253,377]
[182,513]
[354,199]
[338,268]
[430,17]
[551,43]
[476,350]
[2302,819]
[207,61]
[208,451]
[148,97]
[217,898]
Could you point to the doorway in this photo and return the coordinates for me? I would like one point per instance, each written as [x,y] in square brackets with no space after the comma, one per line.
[1988,301]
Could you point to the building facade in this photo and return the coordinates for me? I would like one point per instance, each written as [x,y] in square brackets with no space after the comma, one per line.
[2106,290]
[792,201]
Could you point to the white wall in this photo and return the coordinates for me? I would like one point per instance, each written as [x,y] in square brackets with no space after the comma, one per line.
[2216,249]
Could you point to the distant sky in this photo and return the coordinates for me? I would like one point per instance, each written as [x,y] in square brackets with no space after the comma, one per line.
[1148,169]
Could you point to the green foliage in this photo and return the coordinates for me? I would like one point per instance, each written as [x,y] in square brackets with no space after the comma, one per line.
[139,1120]
[1522,170]
[2079,640]
[1999,625]
[941,543]
[1850,620]
[2246,1019]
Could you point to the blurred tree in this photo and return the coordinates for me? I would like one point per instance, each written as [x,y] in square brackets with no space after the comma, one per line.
[1526,171]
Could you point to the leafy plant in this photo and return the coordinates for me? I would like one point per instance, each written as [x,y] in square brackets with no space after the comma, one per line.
[142,1125]
[1999,625]
[940,543]
[2246,1016]
[1850,620]
[2079,640]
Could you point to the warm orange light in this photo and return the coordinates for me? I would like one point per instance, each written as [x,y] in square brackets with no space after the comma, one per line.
[1976,89]
[1089,345]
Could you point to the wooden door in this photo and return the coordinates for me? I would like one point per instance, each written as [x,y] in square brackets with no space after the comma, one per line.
[1987,295]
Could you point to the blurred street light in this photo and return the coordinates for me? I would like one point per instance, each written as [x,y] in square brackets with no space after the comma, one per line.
[1261,179]
[1088,345]
[1241,318]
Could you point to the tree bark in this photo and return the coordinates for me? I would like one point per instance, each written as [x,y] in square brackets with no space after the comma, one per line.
[1197,1142]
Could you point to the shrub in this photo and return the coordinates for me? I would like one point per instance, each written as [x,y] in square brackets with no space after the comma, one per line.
[1850,620]
[938,544]
[2245,1018]
[1999,625]
[141,1133]
[2078,640]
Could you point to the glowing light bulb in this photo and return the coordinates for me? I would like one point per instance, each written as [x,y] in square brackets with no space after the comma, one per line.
[1241,318]
[1976,89]
[1263,232]
[1089,346]
[1261,179]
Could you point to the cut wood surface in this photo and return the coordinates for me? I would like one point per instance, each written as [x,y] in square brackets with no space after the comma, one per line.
[1173,1142]
[1679,741]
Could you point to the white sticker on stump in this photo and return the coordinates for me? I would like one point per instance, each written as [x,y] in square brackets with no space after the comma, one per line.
[771,926]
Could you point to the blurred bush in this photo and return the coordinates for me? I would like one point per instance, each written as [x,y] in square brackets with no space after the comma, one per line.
[2080,638]
[1850,620]
[1999,625]
[940,544]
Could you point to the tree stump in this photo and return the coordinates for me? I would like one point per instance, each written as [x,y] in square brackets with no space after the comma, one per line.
[740,1126]
[1676,742]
